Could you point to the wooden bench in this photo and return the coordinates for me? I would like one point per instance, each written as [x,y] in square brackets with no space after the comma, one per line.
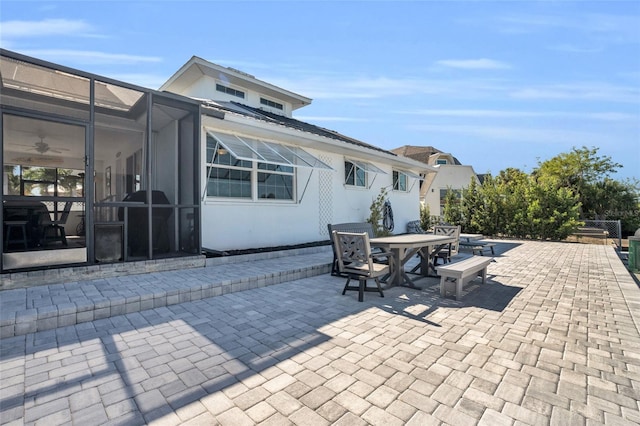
[477,247]
[357,227]
[462,272]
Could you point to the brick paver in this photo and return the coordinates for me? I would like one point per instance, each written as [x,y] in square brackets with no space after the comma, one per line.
[550,339]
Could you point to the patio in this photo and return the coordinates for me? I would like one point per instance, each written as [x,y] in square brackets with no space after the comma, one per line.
[551,339]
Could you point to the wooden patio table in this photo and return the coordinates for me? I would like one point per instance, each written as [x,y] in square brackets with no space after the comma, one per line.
[404,247]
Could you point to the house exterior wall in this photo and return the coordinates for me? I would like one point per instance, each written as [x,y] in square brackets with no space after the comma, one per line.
[448,176]
[205,87]
[229,224]
[321,196]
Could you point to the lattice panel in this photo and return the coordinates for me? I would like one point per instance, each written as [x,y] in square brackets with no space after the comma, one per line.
[325,197]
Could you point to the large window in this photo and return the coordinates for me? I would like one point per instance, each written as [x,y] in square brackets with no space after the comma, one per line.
[233,178]
[354,175]
[399,181]
[43,181]
[275,181]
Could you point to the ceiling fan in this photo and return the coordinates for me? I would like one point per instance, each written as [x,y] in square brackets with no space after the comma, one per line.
[42,147]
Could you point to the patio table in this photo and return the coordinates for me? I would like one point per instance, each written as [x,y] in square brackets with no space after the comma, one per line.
[404,247]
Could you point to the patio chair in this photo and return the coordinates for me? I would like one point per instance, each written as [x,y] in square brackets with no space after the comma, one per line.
[355,260]
[452,250]
[55,227]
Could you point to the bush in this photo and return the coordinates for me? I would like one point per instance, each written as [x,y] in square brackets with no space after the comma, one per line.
[376,214]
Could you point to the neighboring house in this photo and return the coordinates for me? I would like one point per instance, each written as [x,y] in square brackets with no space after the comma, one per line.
[450,175]
[269,179]
[99,171]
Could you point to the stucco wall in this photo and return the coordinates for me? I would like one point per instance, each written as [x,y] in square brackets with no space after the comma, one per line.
[448,176]
[229,224]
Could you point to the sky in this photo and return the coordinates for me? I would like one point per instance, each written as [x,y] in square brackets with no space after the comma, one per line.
[497,84]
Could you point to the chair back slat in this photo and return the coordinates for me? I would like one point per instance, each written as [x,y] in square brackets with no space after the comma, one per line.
[353,252]
[450,231]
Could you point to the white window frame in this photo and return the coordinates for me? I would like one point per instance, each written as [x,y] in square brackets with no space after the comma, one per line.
[271,104]
[255,170]
[235,92]
[354,169]
[396,178]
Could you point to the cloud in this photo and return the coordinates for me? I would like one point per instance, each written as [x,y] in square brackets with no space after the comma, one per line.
[602,27]
[580,91]
[475,64]
[516,134]
[45,28]
[343,86]
[571,48]
[90,57]
[484,113]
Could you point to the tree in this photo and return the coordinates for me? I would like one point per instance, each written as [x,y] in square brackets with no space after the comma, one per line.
[587,175]
[578,170]
[376,214]
[513,187]
[487,217]
[425,217]
[452,207]
[552,212]
[471,203]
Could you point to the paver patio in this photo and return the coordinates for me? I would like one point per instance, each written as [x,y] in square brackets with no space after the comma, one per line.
[551,339]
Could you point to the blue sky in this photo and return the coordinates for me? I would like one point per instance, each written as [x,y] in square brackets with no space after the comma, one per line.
[497,84]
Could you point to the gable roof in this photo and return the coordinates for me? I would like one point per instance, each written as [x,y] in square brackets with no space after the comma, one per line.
[196,68]
[421,153]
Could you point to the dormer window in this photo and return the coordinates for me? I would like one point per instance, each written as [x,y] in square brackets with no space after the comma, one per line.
[441,161]
[230,91]
[272,104]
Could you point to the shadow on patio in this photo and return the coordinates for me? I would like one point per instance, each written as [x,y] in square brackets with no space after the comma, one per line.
[151,363]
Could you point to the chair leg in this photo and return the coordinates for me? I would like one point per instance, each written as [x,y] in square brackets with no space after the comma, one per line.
[63,235]
[344,291]
[363,284]
[379,287]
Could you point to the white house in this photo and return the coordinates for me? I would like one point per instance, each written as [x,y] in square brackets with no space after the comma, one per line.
[450,174]
[271,180]
[99,171]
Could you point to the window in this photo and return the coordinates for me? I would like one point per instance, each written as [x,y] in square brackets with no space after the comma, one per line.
[354,175]
[441,161]
[271,104]
[399,181]
[275,181]
[39,181]
[231,177]
[230,91]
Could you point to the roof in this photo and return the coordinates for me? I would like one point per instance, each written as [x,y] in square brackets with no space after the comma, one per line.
[195,68]
[259,114]
[420,153]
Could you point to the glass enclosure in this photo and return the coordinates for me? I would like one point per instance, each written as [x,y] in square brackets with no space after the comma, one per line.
[71,141]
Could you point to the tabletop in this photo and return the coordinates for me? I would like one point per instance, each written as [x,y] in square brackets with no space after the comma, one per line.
[411,240]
